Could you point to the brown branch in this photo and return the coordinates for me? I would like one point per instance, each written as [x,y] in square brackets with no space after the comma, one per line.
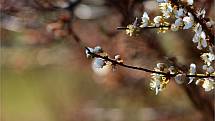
[147,27]
[114,62]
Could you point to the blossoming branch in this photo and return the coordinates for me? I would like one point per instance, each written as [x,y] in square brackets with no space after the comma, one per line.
[160,75]
[185,17]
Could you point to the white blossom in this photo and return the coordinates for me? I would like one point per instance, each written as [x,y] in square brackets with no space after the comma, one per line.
[208,84]
[97,49]
[101,71]
[188,21]
[99,63]
[179,22]
[166,9]
[202,41]
[199,37]
[158,83]
[199,81]
[201,13]
[179,13]
[132,28]
[145,20]
[161,66]
[157,20]
[192,72]
[180,78]
[172,70]
[87,52]
[190,2]
[174,27]
[155,84]
[162,1]
[210,23]
[118,58]
[208,69]
[208,58]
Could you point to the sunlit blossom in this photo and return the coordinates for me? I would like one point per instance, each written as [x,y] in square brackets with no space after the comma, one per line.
[166,9]
[132,28]
[208,84]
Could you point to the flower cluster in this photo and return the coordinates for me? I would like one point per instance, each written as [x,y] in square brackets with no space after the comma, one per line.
[183,19]
[162,73]
[159,81]
[165,8]
[209,82]
[101,58]
[157,22]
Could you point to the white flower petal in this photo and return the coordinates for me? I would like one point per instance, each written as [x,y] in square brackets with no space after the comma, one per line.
[195,38]
[199,46]
[98,63]
[204,43]
[191,80]
[192,72]
[208,85]
[210,69]
[179,78]
[178,22]
[145,16]
[87,52]
[97,49]
[192,68]
[145,20]
[190,2]
[179,13]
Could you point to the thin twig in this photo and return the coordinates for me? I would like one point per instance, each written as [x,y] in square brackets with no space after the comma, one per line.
[106,58]
[147,27]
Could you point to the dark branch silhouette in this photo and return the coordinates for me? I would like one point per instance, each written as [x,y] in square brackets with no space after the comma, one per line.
[114,62]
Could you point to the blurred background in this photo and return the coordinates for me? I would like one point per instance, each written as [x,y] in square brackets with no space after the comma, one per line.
[45,75]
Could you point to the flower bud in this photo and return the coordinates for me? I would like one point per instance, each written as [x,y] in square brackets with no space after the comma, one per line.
[161,66]
[172,70]
[97,49]
[210,69]
[99,63]
[87,52]
[174,27]
[180,78]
